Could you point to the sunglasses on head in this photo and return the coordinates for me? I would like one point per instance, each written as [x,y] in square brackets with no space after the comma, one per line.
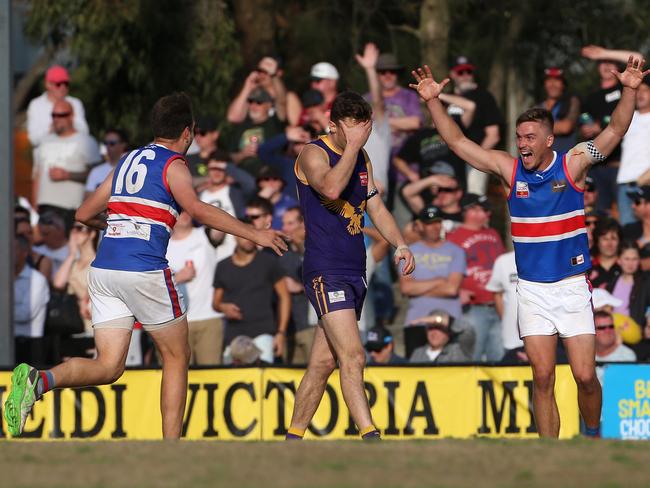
[60,115]
[605,327]
[59,84]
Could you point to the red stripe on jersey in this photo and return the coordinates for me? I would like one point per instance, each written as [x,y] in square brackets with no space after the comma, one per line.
[176,306]
[164,171]
[141,210]
[543,229]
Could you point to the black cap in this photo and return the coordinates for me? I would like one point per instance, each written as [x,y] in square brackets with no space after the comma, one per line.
[268,172]
[430,214]
[378,338]
[311,98]
[388,62]
[638,193]
[260,95]
[441,168]
[471,199]
[207,123]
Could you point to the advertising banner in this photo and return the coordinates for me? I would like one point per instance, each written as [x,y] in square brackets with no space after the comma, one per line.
[626,401]
[256,404]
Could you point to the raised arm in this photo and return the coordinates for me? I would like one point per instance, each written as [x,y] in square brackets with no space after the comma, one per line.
[331,181]
[368,61]
[587,153]
[490,161]
[599,53]
[468,106]
[239,106]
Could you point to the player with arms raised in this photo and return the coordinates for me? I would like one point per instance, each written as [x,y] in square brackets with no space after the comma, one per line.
[336,188]
[546,205]
[130,279]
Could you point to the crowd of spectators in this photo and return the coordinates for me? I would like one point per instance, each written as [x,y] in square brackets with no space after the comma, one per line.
[246,306]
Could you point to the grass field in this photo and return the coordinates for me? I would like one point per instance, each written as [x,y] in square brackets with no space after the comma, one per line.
[480,463]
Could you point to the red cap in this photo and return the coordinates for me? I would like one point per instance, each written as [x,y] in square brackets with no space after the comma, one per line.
[462,63]
[57,74]
[554,72]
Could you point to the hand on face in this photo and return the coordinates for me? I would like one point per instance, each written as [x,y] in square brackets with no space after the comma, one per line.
[357,133]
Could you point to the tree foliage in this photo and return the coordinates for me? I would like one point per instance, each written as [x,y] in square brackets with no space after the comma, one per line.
[131,52]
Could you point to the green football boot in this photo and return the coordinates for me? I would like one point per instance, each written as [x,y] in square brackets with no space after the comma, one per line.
[21,398]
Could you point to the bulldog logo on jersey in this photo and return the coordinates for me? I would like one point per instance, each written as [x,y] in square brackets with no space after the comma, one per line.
[521,189]
[363,176]
[347,210]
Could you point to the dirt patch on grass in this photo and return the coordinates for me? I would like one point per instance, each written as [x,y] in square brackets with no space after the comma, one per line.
[482,463]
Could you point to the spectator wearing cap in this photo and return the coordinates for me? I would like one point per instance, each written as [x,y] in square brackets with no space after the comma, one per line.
[592,217]
[604,253]
[206,136]
[449,340]
[380,348]
[243,139]
[270,185]
[591,193]
[597,108]
[435,283]
[243,352]
[316,111]
[268,76]
[39,111]
[61,164]
[439,187]
[485,125]
[628,328]
[280,152]
[31,294]
[635,154]
[564,107]
[482,246]
[324,77]
[226,194]
[116,143]
[244,286]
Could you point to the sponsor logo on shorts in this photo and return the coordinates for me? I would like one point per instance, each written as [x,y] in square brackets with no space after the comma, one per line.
[521,190]
[363,176]
[576,260]
[336,296]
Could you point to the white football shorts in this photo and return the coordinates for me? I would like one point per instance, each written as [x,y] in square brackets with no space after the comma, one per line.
[563,307]
[118,298]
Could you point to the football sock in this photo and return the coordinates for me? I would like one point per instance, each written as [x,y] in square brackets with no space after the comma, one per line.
[370,433]
[295,434]
[592,431]
[45,382]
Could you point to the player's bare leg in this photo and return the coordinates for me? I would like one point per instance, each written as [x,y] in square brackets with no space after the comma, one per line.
[112,347]
[582,358]
[174,349]
[541,351]
[308,396]
[343,334]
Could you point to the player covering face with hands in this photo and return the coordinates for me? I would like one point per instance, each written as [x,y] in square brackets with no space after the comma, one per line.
[546,203]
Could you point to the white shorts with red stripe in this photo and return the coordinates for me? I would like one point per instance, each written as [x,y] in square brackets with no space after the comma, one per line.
[150,297]
[563,307]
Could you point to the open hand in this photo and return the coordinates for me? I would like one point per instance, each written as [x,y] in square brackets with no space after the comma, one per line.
[633,74]
[426,86]
[369,58]
[274,239]
[403,253]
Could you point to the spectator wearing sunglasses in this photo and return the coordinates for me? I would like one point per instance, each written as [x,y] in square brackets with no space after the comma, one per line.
[39,111]
[61,165]
[242,140]
[380,347]
[609,347]
[116,142]
[449,340]
[485,128]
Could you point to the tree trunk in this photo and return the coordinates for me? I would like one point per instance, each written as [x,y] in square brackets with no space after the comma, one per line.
[434,35]
[256,26]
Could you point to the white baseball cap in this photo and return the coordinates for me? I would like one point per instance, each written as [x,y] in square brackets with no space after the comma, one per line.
[325,71]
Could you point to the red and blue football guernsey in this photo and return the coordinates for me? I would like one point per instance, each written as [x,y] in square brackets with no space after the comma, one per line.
[334,242]
[547,212]
[141,212]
